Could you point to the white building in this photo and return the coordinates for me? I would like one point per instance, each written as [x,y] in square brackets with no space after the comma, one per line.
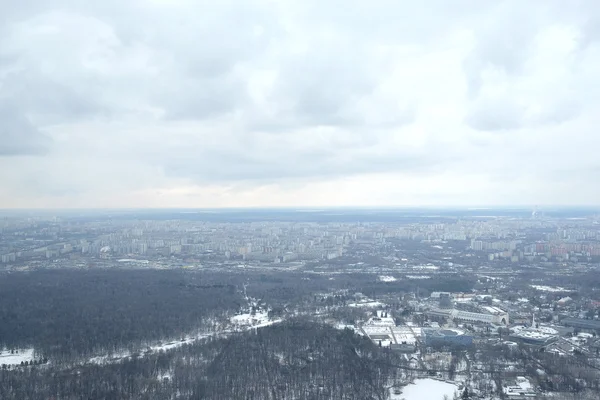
[491,315]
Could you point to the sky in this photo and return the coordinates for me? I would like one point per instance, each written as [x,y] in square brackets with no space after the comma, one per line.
[311,103]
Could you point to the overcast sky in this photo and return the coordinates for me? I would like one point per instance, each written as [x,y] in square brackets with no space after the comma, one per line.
[223,103]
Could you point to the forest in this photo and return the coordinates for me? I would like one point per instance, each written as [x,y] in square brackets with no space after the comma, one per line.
[71,317]
[296,359]
[69,314]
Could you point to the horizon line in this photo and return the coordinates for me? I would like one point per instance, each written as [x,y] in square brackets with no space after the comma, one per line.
[317,208]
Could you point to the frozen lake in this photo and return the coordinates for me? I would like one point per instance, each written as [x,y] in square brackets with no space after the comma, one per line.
[426,389]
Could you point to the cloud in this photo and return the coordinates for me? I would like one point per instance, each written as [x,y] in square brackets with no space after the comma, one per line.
[18,136]
[212,103]
[504,40]
[496,115]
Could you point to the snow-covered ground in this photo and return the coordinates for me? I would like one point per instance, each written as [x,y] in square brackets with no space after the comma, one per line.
[149,349]
[543,288]
[115,357]
[15,359]
[522,388]
[387,278]
[425,267]
[178,343]
[342,326]
[133,261]
[426,389]
[367,304]
[248,319]
[240,322]
[165,375]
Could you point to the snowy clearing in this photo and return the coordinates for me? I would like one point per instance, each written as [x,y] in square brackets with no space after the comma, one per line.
[426,389]
[387,278]
[367,304]
[247,319]
[425,267]
[241,322]
[165,375]
[15,359]
[543,288]
[149,349]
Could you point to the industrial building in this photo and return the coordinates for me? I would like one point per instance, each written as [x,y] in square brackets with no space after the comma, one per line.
[587,324]
[534,336]
[490,315]
[383,331]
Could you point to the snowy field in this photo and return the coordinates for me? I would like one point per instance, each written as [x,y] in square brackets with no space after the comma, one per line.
[15,359]
[367,304]
[387,278]
[426,389]
[247,319]
[430,267]
[543,288]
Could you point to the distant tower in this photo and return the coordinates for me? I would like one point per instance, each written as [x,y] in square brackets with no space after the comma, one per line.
[535,213]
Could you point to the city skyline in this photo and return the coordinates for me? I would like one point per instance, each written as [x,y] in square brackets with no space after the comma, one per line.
[185,104]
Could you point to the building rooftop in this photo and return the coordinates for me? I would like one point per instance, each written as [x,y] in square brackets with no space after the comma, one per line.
[581,323]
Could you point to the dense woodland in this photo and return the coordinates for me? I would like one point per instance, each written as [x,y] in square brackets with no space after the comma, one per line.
[68,314]
[298,359]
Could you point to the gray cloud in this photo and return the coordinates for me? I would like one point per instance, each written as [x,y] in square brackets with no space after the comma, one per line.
[151,94]
[503,42]
[48,100]
[496,115]
[319,86]
[18,136]
[200,99]
[283,165]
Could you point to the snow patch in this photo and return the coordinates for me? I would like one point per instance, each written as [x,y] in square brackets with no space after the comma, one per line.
[165,375]
[20,355]
[116,357]
[387,278]
[247,319]
[425,267]
[543,288]
[426,389]
[367,304]
[241,322]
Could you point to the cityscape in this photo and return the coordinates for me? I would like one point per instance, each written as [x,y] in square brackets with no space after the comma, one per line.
[495,303]
[299,200]
[230,236]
